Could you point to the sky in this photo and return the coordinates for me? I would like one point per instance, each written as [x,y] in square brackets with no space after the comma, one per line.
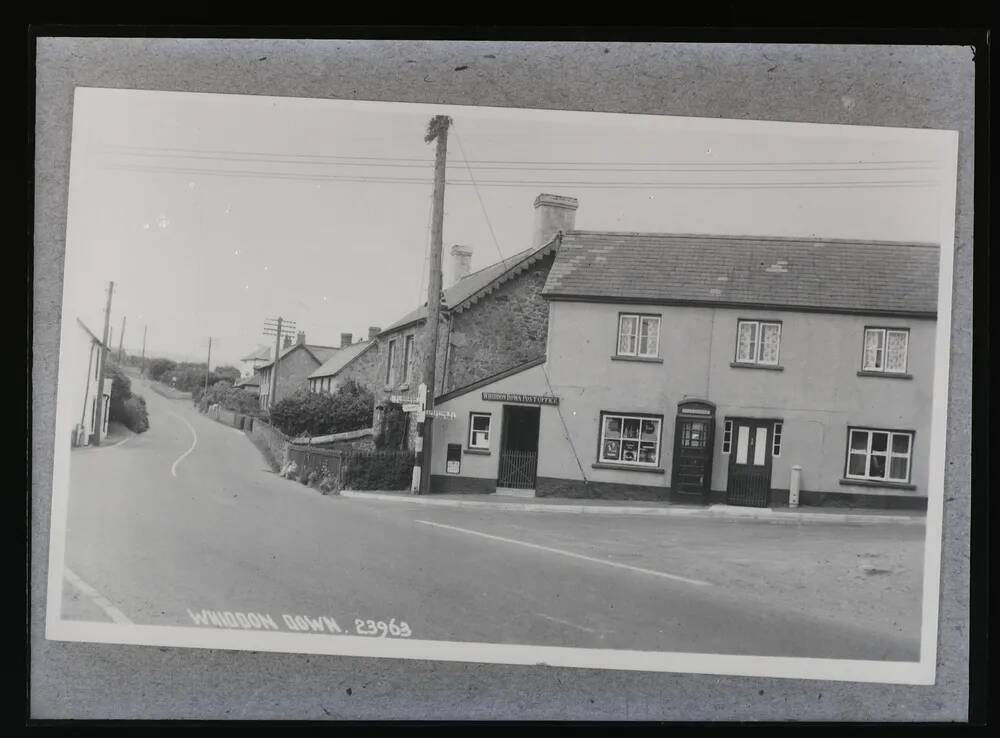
[214,213]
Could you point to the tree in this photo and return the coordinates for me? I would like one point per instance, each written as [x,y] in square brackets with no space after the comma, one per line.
[159,367]
[228,373]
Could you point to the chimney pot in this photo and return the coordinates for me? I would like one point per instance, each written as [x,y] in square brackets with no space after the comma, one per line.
[461,262]
[287,342]
[345,339]
[300,339]
[553,214]
[373,330]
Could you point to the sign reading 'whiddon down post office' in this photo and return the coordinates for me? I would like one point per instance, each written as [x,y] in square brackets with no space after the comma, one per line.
[528,399]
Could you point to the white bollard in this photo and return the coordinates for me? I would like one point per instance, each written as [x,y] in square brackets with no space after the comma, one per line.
[793,486]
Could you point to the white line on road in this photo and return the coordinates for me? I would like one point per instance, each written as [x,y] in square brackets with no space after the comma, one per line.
[173,469]
[97,598]
[565,622]
[123,441]
[570,554]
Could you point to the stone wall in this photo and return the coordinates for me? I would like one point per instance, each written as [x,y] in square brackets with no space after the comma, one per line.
[271,442]
[504,329]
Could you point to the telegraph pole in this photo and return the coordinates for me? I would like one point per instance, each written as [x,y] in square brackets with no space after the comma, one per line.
[142,371]
[98,419]
[437,130]
[275,326]
[208,364]
[121,341]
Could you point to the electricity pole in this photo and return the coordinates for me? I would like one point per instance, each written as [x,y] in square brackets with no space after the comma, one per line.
[208,364]
[275,326]
[121,341]
[437,130]
[99,412]
[142,371]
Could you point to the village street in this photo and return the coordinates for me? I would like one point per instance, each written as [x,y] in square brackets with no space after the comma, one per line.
[187,518]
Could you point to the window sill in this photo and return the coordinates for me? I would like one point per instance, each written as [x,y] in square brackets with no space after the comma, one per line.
[744,365]
[477,451]
[645,359]
[627,467]
[873,483]
[885,375]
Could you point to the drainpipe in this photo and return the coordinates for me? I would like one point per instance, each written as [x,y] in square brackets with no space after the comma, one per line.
[793,486]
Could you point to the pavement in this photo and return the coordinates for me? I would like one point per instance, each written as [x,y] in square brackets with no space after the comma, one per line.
[851,516]
[186,522]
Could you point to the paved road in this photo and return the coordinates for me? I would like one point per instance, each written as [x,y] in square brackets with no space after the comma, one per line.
[187,518]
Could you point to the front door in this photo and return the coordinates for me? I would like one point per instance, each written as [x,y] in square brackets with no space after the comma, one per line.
[518,447]
[750,463]
[692,467]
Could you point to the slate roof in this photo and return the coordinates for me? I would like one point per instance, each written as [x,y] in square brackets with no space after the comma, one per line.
[468,289]
[341,359]
[261,353]
[320,353]
[252,381]
[873,277]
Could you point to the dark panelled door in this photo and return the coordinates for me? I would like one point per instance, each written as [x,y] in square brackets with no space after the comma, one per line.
[692,467]
[750,463]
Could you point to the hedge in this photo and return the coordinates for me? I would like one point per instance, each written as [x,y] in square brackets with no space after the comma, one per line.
[381,470]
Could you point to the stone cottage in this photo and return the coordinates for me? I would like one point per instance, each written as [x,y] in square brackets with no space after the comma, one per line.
[492,320]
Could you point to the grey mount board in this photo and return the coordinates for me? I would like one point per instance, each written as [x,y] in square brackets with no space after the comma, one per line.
[904,86]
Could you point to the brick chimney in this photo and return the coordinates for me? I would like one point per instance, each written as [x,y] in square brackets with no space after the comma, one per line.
[373,330]
[287,342]
[461,262]
[345,340]
[553,213]
[300,339]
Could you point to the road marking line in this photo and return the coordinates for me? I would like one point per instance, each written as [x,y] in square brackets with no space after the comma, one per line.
[123,441]
[570,554]
[97,598]
[565,622]
[173,469]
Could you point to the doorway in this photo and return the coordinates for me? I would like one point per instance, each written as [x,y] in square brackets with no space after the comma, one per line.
[518,447]
[749,483]
[694,433]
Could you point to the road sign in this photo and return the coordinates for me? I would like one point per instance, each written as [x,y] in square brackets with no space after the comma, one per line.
[408,399]
[411,407]
[440,414]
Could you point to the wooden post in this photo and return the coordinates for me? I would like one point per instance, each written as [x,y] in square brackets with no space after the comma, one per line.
[437,130]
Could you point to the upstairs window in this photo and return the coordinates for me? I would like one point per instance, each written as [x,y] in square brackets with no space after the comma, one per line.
[885,350]
[638,335]
[757,342]
[407,355]
[390,363]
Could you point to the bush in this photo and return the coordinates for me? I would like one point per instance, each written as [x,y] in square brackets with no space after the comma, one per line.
[392,431]
[125,408]
[231,398]
[320,414]
[159,367]
[379,470]
[136,418]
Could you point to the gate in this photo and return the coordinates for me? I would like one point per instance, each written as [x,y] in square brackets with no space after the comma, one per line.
[517,469]
[321,460]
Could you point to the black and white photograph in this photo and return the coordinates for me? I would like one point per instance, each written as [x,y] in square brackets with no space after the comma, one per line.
[503,385]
